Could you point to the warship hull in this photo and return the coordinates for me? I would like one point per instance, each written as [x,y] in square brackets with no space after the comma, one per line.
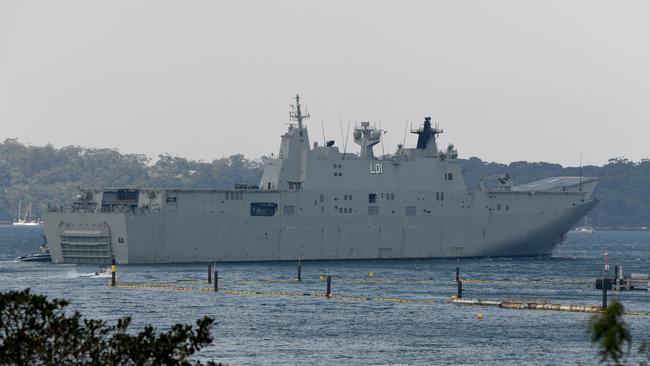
[203,226]
[318,203]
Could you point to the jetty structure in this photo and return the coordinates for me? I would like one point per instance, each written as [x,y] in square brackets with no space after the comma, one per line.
[320,203]
[621,282]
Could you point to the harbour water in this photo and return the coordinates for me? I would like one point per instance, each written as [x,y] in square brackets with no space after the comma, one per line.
[274,329]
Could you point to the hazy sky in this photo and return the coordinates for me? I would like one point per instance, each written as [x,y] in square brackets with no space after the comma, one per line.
[506,80]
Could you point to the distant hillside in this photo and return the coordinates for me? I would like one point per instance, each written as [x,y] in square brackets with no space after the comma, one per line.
[42,174]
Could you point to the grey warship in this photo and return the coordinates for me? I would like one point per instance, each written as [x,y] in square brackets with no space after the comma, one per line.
[320,203]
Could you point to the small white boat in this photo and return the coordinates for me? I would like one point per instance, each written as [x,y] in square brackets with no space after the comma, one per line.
[27,219]
[586,228]
[103,271]
[27,223]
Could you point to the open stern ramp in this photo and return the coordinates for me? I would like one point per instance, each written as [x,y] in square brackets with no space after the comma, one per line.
[79,241]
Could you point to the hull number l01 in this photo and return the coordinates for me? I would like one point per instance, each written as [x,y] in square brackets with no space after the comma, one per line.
[376,168]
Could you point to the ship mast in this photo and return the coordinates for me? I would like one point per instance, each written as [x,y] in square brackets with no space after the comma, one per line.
[426,133]
[28,214]
[296,113]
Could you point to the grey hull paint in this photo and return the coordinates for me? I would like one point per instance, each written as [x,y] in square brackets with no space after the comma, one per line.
[316,203]
[167,237]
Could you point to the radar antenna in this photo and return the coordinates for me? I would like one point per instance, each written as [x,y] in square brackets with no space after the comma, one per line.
[296,113]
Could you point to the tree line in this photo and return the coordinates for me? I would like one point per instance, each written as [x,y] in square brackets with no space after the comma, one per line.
[45,174]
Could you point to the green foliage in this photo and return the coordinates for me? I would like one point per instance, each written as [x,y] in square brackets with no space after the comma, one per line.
[44,174]
[609,330]
[37,331]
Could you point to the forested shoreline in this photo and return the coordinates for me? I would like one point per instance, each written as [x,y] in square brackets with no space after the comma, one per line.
[46,174]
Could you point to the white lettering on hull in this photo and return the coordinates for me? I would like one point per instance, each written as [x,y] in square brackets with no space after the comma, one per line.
[376,168]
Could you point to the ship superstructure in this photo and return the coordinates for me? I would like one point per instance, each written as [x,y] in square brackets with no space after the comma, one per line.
[318,203]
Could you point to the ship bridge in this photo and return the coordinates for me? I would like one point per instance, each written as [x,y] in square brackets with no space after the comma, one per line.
[300,166]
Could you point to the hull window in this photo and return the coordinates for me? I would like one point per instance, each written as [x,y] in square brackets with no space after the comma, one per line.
[263,208]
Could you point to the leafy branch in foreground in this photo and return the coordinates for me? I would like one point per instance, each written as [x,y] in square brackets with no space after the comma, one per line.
[614,339]
[609,330]
[37,331]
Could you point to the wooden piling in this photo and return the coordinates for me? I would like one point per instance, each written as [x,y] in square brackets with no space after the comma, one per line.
[329,286]
[604,292]
[459,284]
[113,270]
[299,273]
[209,272]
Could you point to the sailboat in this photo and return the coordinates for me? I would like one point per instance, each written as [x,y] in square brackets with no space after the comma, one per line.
[27,219]
[586,228]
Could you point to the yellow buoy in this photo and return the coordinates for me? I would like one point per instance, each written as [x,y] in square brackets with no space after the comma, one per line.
[322,277]
[371,274]
[479,316]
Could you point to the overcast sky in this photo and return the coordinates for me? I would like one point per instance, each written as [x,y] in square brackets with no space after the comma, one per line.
[506,80]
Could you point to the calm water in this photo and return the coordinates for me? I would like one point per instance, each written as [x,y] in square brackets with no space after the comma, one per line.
[261,329]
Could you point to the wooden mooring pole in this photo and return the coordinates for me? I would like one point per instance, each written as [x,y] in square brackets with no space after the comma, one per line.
[113,270]
[604,292]
[329,286]
[299,273]
[459,284]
